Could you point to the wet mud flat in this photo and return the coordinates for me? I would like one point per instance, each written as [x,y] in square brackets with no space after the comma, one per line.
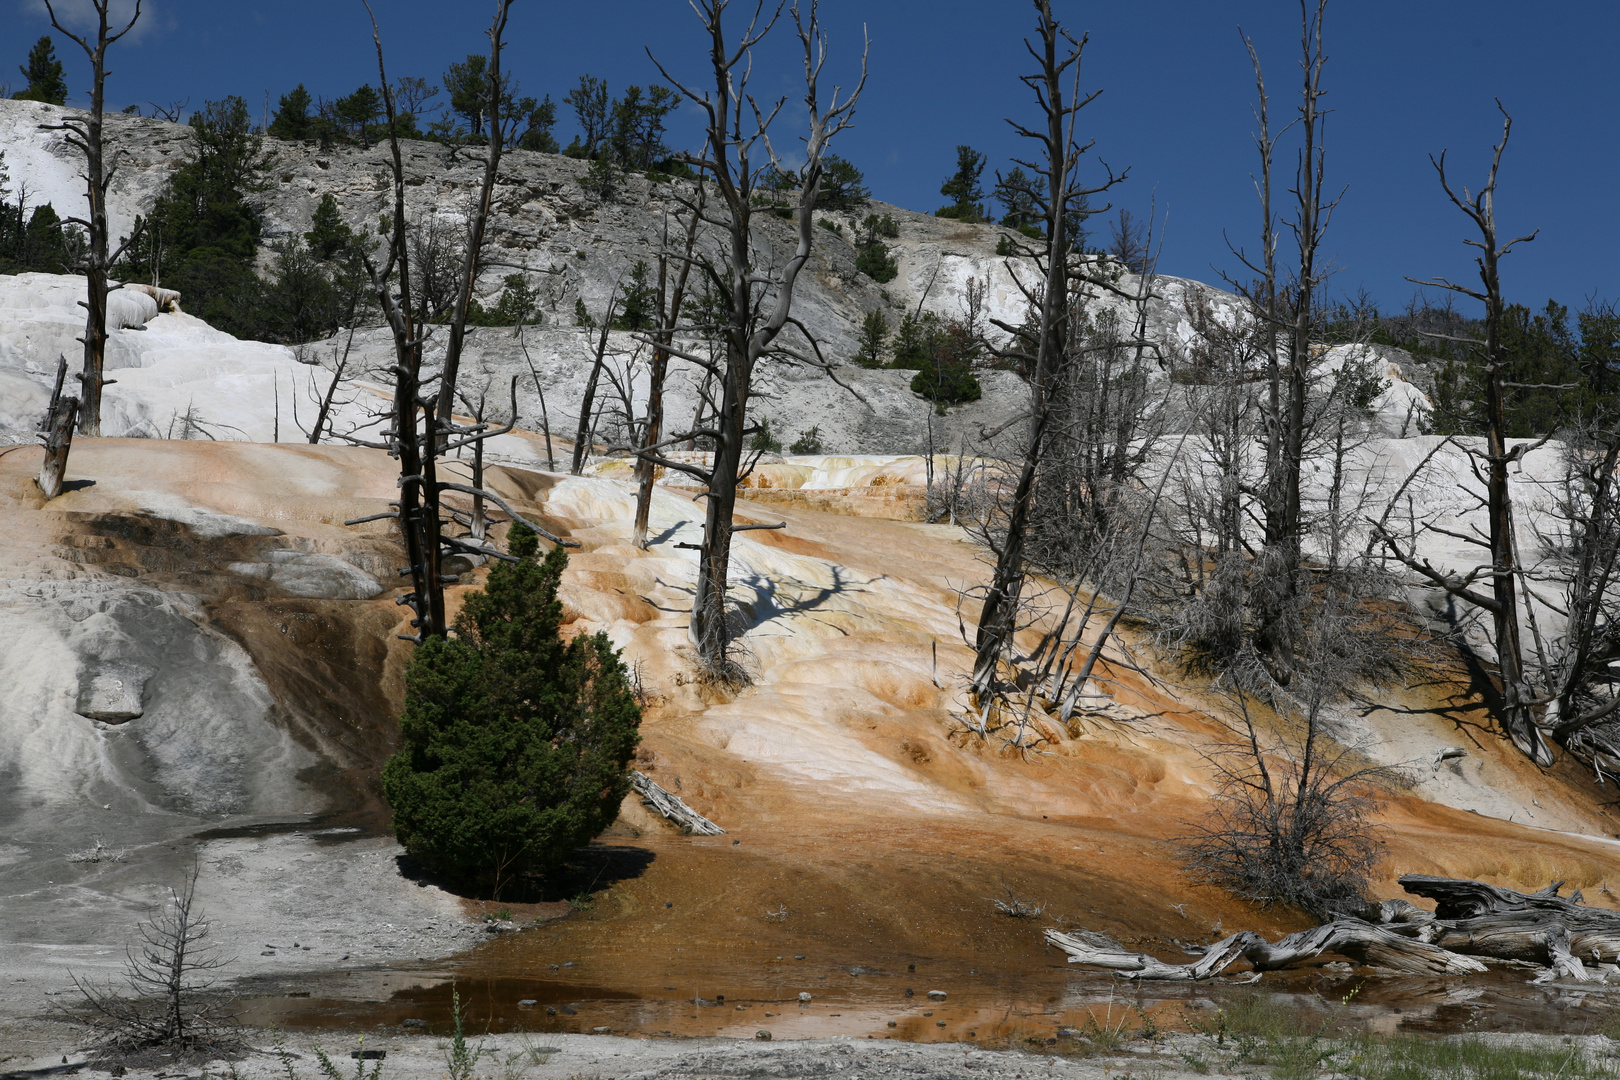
[1024,1007]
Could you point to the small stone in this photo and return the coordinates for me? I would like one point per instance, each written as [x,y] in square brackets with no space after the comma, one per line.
[527,1003]
[911,967]
[551,1010]
[569,964]
[1068,1033]
[939,1023]
[413,1022]
[762,1035]
[893,1024]
[937,995]
[601,1030]
[909,991]
[569,1010]
[553,967]
[799,957]
[803,996]
[930,1012]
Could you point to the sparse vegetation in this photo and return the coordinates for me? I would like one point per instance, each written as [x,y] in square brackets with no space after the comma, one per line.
[808,442]
[166,974]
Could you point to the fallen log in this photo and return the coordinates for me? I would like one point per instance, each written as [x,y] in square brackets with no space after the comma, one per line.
[1099,950]
[1540,927]
[1456,898]
[673,807]
[1363,941]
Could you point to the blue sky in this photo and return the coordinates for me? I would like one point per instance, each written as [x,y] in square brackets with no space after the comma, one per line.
[1405,79]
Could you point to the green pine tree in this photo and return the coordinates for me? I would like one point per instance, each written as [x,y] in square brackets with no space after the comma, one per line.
[46,80]
[874,332]
[292,120]
[963,187]
[514,744]
[328,236]
[637,311]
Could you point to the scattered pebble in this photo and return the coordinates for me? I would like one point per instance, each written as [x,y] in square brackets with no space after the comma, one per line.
[909,991]
[893,1024]
[414,1023]
[569,1010]
[527,1003]
[551,1010]
[762,1035]
[601,1030]
[939,1023]
[937,995]
[803,996]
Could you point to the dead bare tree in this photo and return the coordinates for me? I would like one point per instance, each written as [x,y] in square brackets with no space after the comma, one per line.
[757,305]
[1503,569]
[85,135]
[670,301]
[56,432]
[166,973]
[499,131]
[587,401]
[417,437]
[1040,345]
[1288,311]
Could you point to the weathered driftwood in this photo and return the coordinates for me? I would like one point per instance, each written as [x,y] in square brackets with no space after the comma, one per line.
[58,435]
[673,807]
[1473,920]
[1364,941]
[1456,898]
[1540,927]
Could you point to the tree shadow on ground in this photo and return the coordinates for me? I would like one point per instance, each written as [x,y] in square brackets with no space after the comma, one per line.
[593,867]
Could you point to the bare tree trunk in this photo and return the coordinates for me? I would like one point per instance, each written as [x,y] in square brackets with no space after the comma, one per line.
[1278,613]
[480,220]
[539,392]
[323,417]
[669,316]
[58,441]
[85,136]
[1061,196]
[749,335]
[1518,697]
[587,404]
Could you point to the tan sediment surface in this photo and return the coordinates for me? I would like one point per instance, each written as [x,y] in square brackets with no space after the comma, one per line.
[865,829]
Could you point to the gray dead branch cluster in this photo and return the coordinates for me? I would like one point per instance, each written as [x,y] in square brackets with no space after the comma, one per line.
[1472,925]
[673,807]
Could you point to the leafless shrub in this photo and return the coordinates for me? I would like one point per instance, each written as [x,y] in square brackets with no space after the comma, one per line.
[165,974]
[1292,819]
[98,854]
[1016,907]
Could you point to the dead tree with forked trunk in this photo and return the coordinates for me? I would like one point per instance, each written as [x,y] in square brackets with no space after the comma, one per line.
[416,435]
[1502,572]
[85,136]
[757,305]
[670,302]
[1040,346]
[499,132]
